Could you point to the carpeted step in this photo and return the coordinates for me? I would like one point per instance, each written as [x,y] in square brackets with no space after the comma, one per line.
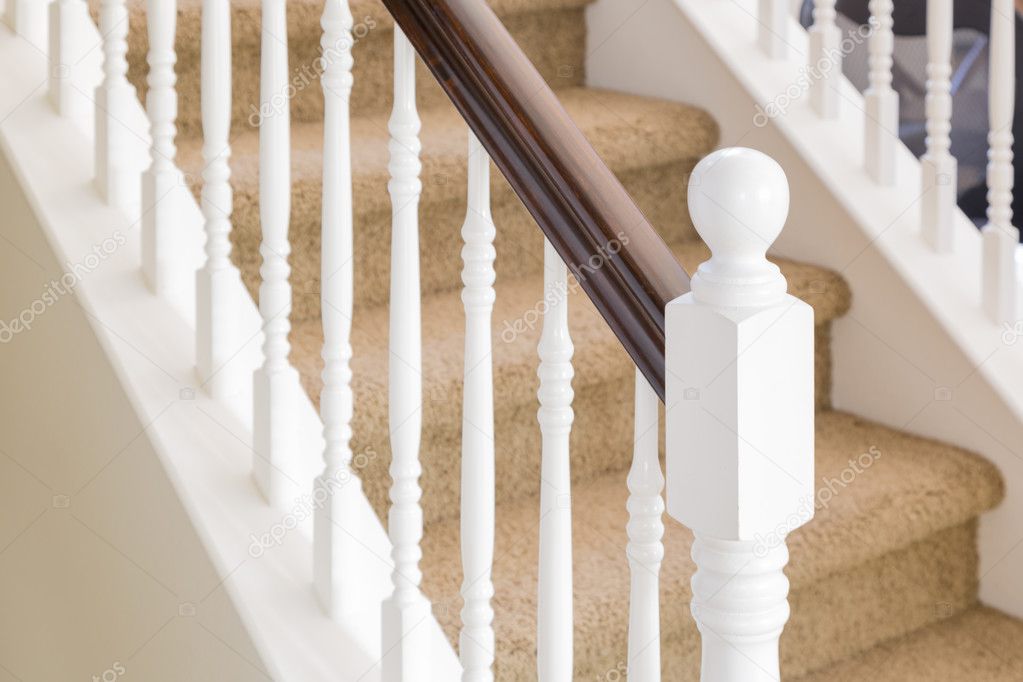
[892,549]
[551,32]
[650,144]
[603,383]
[980,645]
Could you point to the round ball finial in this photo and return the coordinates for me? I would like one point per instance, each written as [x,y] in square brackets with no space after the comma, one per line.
[739,201]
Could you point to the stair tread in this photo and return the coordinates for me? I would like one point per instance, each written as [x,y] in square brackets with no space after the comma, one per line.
[443,320]
[628,131]
[915,488]
[650,144]
[981,645]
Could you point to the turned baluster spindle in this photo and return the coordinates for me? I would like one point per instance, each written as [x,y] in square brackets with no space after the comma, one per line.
[938,166]
[67,48]
[739,434]
[554,591]
[218,281]
[773,26]
[1000,238]
[162,262]
[116,177]
[335,552]
[881,100]
[476,643]
[825,59]
[274,419]
[406,655]
[645,549]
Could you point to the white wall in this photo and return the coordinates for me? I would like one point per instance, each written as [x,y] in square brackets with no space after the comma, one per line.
[101,572]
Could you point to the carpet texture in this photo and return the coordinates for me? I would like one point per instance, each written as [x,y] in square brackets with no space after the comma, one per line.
[981,645]
[884,580]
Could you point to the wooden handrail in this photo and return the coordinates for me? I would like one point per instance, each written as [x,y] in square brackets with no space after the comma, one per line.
[620,261]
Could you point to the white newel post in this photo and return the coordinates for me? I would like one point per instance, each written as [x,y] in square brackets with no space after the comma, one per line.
[218,281]
[880,99]
[740,416]
[67,48]
[162,257]
[116,178]
[1000,238]
[406,655]
[276,382]
[476,643]
[645,548]
[938,166]
[825,57]
[336,552]
[554,588]
[773,26]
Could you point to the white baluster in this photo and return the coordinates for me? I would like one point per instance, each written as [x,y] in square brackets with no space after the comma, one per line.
[773,25]
[554,592]
[67,48]
[275,383]
[334,548]
[939,167]
[1000,238]
[28,18]
[218,281]
[881,100]
[162,262]
[407,655]
[116,178]
[825,58]
[739,435]
[645,549]
[476,644]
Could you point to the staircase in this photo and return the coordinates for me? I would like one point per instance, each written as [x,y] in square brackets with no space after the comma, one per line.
[884,582]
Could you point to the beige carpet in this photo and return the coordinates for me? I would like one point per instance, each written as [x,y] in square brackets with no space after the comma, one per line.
[981,645]
[884,581]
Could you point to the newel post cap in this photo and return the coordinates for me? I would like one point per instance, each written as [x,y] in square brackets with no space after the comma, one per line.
[739,201]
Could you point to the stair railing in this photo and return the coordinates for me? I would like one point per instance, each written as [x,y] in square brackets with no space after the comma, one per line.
[739,448]
[1000,269]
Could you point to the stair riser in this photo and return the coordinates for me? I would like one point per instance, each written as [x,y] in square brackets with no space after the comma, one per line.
[602,433]
[519,243]
[832,619]
[554,40]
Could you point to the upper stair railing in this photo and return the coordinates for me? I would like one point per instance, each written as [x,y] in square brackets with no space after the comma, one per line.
[938,181]
[739,434]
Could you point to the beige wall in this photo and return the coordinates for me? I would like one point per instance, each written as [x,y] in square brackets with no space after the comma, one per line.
[101,574]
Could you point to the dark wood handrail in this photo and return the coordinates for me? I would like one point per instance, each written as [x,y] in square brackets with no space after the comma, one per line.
[620,261]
